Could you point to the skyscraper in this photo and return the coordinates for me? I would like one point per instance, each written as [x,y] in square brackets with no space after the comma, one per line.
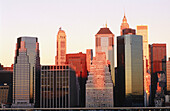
[26,78]
[129,79]
[124,24]
[99,87]
[157,53]
[105,43]
[143,30]
[60,58]
[59,87]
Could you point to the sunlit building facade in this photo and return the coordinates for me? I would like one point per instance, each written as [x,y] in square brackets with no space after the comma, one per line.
[26,73]
[99,87]
[124,25]
[60,58]
[89,58]
[157,53]
[143,30]
[129,78]
[78,61]
[105,43]
[168,75]
[59,87]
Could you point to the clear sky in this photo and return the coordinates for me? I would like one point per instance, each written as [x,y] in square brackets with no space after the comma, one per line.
[81,20]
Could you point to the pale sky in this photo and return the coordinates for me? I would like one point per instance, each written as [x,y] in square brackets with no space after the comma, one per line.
[80,19]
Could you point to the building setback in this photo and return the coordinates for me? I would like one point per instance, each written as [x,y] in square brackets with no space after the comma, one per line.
[59,87]
[26,73]
[129,78]
[99,87]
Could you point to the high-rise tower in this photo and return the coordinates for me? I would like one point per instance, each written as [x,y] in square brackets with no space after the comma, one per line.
[60,58]
[129,77]
[105,43]
[26,78]
[124,24]
[143,30]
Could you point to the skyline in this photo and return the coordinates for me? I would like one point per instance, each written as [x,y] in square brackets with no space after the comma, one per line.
[18,18]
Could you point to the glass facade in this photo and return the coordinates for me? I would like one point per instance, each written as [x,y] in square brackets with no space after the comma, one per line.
[58,87]
[129,77]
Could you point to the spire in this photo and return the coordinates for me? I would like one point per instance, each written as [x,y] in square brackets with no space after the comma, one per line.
[124,19]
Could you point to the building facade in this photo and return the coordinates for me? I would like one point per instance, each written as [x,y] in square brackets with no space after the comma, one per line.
[59,87]
[143,30]
[105,43]
[78,61]
[6,81]
[26,73]
[129,78]
[89,58]
[168,76]
[157,53]
[4,94]
[60,58]
[99,87]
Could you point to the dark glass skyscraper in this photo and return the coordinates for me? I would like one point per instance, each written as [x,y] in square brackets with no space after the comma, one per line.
[26,78]
[129,78]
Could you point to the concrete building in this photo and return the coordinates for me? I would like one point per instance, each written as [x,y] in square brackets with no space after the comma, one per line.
[99,87]
[60,58]
[26,74]
[59,87]
[129,79]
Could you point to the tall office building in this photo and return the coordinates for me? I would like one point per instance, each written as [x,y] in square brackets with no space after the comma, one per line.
[168,75]
[105,43]
[124,24]
[78,61]
[59,87]
[129,77]
[60,58]
[26,73]
[99,87]
[89,58]
[143,30]
[157,53]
